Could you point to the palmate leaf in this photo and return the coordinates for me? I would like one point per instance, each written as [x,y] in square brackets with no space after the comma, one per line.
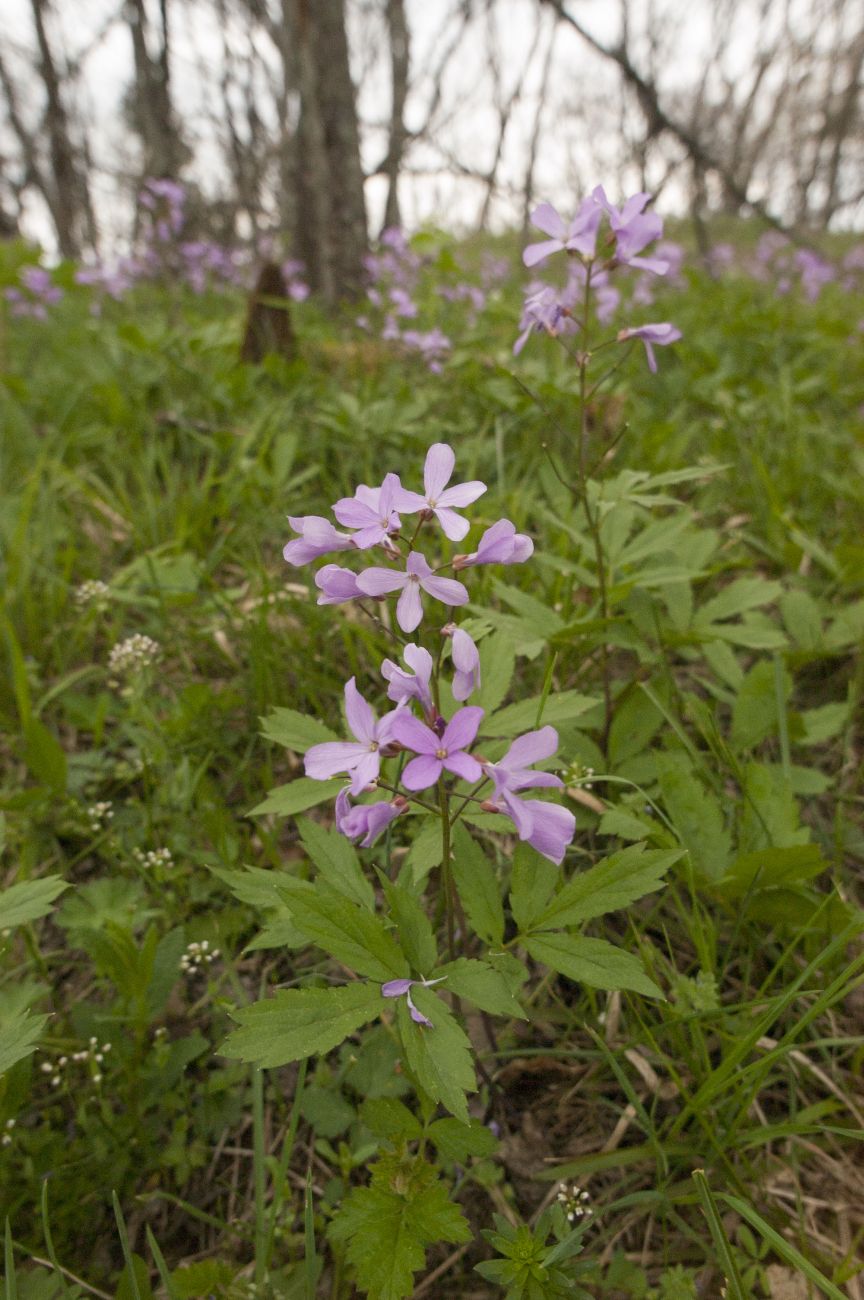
[591,961]
[18,1037]
[29,900]
[387,1226]
[614,883]
[301,1022]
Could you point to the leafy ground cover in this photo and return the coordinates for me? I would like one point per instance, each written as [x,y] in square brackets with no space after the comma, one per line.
[694,637]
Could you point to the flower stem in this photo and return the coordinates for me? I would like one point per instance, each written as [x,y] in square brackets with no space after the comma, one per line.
[446,873]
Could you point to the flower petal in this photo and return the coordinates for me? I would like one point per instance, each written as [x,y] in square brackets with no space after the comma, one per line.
[421,772]
[461,764]
[378,581]
[545,218]
[440,460]
[360,715]
[531,748]
[409,607]
[462,494]
[462,728]
[414,734]
[366,771]
[448,590]
[454,526]
[536,253]
[396,988]
[334,756]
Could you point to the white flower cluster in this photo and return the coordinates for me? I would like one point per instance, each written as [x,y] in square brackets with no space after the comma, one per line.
[153,858]
[93,1053]
[197,955]
[579,775]
[92,592]
[6,1139]
[574,1202]
[132,656]
[99,815]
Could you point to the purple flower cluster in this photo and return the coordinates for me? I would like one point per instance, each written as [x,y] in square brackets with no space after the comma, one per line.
[34,294]
[631,228]
[440,749]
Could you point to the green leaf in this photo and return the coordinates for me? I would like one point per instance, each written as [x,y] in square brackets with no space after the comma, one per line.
[425,852]
[824,723]
[29,900]
[497,663]
[478,888]
[349,933]
[772,868]
[386,1226]
[754,714]
[456,1142]
[19,1034]
[45,755]
[390,1119]
[301,1022]
[636,721]
[563,706]
[696,815]
[336,859]
[802,619]
[481,984]
[741,595]
[614,883]
[296,731]
[769,815]
[591,961]
[415,931]
[532,880]
[297,796]
[439,1058]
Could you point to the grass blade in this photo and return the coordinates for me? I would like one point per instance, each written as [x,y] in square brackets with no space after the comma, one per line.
[784,1249]
[718,1233]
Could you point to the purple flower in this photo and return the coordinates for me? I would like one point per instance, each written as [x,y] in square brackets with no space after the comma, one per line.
[440,460]
[543,312]
[372,511]
[500,544]
[466,661]
[409,609]
[317,537]
[435,753]
[633,229]
[580,236]
[547,827]
[365,821]
[512,772]
[651,334]
[360,758]
[410,686]
[336,585]
[402,989]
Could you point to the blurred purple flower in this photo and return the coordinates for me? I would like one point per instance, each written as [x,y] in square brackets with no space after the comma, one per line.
[438,753]
[438,498]
[409,609]
[544,312]
[650,335]
[360,758]
[633,229]
[337,585]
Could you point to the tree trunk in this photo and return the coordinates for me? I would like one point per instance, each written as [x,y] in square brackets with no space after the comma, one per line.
[164,152]
[66,194]
[397,28]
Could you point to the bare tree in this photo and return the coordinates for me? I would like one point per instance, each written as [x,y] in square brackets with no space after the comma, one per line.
[151,109]
[397,30]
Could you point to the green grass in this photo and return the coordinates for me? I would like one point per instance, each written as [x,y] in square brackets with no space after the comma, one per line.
[136,450]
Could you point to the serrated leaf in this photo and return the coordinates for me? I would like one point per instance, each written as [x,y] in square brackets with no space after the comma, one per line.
[531,883]
[29,900]
[823,723]
[696,815]
[296,731]
[19,1034]
[337,861]
[477,886]
[614,883]
[563,706]
[479,983]
[347,932]
[390,1119]
[415,930]
[439,1058]
[301,1022]
[771,868]
[754,714]
[425,852]
[44,755]
[297,796]
[456,1142]
[591,961]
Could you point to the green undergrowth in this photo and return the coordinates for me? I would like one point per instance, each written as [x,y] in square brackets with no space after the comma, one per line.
[143,909]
